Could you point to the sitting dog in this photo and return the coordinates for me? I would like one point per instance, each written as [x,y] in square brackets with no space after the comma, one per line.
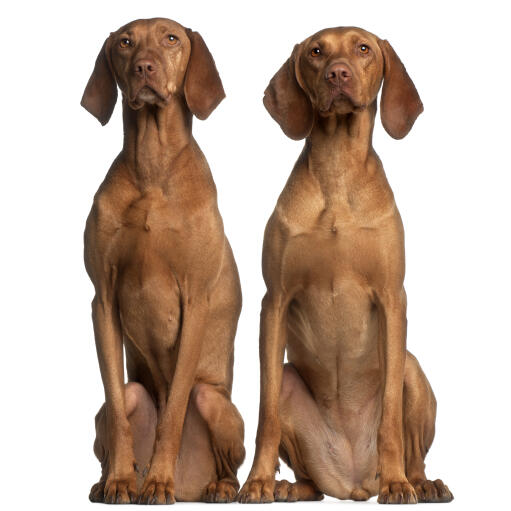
[166,283]
[352,413]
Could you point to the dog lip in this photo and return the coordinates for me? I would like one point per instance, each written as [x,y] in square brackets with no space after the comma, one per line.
[335,94]
[339,94]
[136,93]
[146,89]
[136,102]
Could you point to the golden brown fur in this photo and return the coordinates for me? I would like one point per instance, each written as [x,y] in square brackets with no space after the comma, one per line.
[352,413]
[167,287]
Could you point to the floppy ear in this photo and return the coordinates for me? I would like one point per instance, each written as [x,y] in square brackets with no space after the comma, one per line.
[203,87]
[400,102]
[287,103]
[100,94]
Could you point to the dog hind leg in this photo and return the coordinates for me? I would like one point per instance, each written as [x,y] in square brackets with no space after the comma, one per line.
[307,445]
[226,432]
[142,417]
[419,429]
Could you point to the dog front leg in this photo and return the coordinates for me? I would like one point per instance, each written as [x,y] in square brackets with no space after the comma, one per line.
[158,487]
[260,484]
[394,486]
[121,483]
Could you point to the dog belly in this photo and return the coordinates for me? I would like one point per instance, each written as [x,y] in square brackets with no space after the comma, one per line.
[329,443]
[340,464]
[332,342]
[339,322]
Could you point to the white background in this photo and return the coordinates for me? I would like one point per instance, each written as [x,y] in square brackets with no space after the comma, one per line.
[451,178]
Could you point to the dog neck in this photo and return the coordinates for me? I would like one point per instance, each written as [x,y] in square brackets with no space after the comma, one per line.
[339,151]
[153,138]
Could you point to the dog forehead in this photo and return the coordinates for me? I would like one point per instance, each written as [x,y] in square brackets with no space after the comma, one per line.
[336,37]
[153,25]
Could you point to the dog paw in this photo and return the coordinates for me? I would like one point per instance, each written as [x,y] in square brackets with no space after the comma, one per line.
[220,492]
[432,491]
[300,490]
[401,492]
[257,491]
[360,495]
[97,492]
[114,491]
[156,491]
[285,491]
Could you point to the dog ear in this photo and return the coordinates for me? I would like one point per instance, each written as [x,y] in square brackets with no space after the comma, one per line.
[400,102]
[100,94]
[287,102]
[203,87]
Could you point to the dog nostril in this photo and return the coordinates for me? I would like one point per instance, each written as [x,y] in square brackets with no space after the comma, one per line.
[143,67]
[338,74]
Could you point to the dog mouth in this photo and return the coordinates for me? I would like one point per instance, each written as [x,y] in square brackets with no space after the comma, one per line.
[147,95]
[339,98]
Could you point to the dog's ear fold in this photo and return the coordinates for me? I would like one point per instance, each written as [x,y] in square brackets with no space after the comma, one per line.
[287,102]
[203,87]
[100,94]
[400,102]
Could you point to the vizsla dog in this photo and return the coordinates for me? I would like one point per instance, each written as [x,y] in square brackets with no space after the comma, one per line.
[352,413]
[166,283]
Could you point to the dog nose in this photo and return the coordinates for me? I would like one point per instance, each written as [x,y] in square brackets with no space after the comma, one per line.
[145,67]
[338,73]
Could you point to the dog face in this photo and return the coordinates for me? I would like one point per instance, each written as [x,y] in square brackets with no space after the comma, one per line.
[149,60]
[338,71]
[152,61]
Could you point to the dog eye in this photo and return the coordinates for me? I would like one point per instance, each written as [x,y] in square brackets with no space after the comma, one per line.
[125,42]
[364,49]
[172,39]
[315,52]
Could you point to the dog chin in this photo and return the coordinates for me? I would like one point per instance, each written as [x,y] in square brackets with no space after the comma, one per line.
[147,95]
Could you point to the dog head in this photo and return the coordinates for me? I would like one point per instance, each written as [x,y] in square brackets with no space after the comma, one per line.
[338,71]
[151,61]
